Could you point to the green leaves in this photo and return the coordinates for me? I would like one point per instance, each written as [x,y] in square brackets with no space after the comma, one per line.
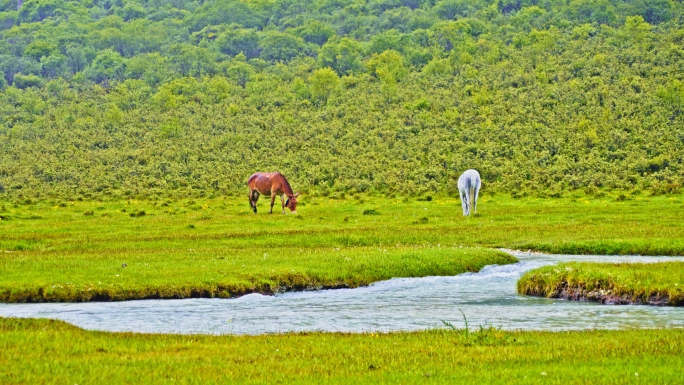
[315,32]
[343,55]
[239,70]
[673,95]
[277,46]
[323,82]
[27,81]
[384,96]
[389,68]
[237,41]
[107,66]
[40,49]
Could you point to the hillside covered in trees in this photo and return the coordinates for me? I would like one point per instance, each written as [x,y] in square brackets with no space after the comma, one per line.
[180,98]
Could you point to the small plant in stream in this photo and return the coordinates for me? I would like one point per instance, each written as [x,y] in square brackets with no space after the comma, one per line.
[485,335]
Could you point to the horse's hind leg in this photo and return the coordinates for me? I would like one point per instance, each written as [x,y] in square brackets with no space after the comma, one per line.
[253,198]
[273,196]
[251,204]
[469,204]
[477,191]
[464,203]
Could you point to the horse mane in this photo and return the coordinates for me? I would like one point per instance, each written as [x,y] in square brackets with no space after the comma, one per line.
[286,185]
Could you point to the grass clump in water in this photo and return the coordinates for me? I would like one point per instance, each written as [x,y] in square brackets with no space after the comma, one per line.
[617,283]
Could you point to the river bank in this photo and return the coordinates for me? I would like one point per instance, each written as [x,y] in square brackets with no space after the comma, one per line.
[656,284]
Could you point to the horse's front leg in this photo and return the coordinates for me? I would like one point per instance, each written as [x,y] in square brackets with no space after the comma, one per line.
[464,204]
[282,202]
[273,196]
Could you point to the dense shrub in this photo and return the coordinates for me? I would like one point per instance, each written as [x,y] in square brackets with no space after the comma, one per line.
[183,98]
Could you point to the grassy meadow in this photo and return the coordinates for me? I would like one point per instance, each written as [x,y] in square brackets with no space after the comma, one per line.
[45,351]
[116,250]
[128,127]
[637,281]
[79,251]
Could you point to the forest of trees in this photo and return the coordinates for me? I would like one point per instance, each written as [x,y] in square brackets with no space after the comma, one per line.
[121,98]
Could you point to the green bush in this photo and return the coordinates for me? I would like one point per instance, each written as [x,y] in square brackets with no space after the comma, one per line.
[182,99]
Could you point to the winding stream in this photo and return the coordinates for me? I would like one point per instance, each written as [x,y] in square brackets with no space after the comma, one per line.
[397,304]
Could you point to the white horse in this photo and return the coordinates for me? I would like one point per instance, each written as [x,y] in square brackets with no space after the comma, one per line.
[468,187]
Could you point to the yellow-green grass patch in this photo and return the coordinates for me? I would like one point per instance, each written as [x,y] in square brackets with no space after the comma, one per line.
[223,272]
[65,251]
[648,283]
[45,351]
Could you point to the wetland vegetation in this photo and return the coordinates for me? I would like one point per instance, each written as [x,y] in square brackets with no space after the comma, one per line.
[37,350]
[66,251]
[128,129]
[617,283]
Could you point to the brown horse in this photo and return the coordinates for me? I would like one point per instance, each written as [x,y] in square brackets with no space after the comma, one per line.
[271,183]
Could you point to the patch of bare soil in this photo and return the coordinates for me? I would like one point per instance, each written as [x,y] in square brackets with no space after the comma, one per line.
[608,298]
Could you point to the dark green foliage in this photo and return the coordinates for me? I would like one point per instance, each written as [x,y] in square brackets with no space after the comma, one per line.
[107,66]
[238,40]
[315,32]
[26,81]
[277,46]
[188,98]
[344,56]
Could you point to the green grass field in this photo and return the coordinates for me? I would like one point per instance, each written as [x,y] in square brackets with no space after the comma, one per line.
[76,251]
[66,251]
[638,281]
[42,351]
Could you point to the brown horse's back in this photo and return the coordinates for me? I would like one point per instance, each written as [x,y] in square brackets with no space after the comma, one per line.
[269,183]
[252,181]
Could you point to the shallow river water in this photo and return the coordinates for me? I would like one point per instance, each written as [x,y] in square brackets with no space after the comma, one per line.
[488,297]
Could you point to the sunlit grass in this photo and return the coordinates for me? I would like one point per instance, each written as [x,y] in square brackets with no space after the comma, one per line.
[223,272]
[636,281]
[61,250]
[216,247]
[39,351]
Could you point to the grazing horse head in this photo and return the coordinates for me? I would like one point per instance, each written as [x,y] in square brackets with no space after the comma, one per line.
[291,203]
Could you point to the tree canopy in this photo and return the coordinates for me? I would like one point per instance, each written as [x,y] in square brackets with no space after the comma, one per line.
[155,97]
